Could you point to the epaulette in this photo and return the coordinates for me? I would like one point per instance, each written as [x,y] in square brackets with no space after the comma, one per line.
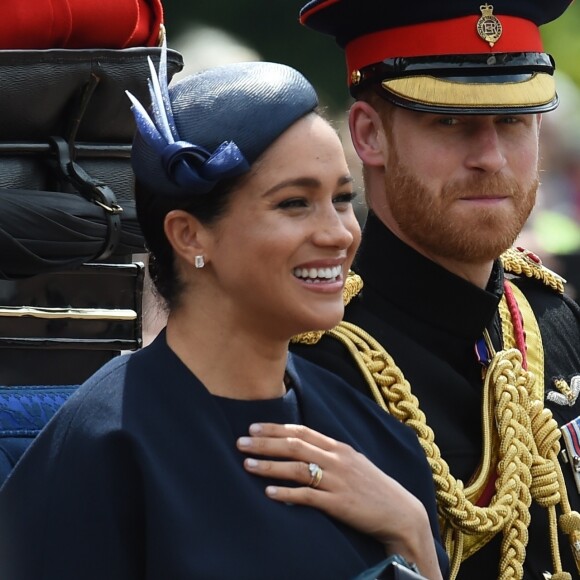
[522,262]
[352,286]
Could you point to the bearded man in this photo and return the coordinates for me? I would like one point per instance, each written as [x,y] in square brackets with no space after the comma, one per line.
[471,342]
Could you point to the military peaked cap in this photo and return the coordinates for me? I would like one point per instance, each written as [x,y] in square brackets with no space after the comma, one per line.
[446,56]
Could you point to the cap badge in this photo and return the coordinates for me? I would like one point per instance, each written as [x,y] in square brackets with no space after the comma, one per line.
[488,26]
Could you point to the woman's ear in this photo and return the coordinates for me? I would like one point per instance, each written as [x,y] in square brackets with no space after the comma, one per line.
[185,233]
[367,134]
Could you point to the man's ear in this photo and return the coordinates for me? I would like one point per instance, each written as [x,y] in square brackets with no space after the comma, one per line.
[367,134]
[186,235]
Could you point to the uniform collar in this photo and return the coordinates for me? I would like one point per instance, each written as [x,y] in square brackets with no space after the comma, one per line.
[394,272]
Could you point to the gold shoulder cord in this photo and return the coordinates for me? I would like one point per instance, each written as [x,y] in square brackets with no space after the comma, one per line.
[520,438]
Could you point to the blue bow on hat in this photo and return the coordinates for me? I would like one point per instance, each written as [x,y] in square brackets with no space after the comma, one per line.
[190,166]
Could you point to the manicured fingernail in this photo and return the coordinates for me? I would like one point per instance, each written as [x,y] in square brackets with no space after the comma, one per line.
[251,463]
[245,441]
[255,428]
[271,490]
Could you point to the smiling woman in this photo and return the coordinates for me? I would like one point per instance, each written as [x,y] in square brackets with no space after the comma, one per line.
[213,452]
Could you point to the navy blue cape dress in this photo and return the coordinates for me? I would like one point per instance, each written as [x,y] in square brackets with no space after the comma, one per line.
[138,477]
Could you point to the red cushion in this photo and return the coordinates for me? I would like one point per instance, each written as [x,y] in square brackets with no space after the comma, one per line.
[80,24]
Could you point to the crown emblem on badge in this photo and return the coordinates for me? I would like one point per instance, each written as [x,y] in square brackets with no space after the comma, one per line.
[488,26]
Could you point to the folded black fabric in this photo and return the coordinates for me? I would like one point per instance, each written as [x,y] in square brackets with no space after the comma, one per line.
[44,231]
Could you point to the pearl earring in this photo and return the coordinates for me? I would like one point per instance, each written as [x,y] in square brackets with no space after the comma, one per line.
[199,262]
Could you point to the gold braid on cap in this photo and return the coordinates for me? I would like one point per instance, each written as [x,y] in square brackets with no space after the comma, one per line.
[520,447]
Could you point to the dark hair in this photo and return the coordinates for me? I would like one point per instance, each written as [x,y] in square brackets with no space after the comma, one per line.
[151,211]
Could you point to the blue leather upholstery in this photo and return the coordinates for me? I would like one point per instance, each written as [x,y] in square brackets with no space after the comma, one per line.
[24,410]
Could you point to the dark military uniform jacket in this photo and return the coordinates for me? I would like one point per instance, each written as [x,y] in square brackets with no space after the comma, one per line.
[429,320]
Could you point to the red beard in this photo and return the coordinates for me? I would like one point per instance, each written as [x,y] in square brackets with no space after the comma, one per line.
[439,227]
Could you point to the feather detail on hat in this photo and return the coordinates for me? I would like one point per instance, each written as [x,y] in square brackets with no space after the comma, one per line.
[190,166]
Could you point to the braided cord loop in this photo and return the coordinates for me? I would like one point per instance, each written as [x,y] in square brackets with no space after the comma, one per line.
[527,465]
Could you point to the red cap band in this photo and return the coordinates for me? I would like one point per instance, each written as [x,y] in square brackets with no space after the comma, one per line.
[456,36]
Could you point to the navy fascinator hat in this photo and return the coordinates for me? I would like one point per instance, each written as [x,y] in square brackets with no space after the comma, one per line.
[213,125]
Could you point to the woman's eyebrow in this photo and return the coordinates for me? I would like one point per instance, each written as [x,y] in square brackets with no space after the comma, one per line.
[306,182]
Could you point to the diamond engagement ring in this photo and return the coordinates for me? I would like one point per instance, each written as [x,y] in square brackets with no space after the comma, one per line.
[315,475]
